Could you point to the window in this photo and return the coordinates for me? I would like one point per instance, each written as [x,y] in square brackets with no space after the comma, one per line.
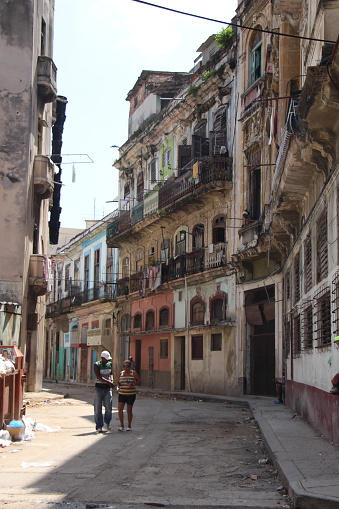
[323,320]
[127,196]
[335,303]
[84,330]
[125,323]
[76,269]
[164,250]
[216,342]
[296,277]
[218,135]
[125,267]
[152,168]
[322,253]
[167,157]
[96,267]
[197,347]
[197,311]
[200,143]
[150,320]
[137,321]
[163,348]
[138,261]
[151,255]
[218,230]
[308,263]
[255,193]
[218,309]
[86,273]
[255,58]
[287,285]
[296,336]
[140,186]
[180,243]
[198,236]
[95,324]
[68,279]
[163,317]
[43,37]
[308,328]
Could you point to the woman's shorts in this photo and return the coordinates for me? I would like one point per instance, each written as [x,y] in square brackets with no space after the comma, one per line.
[127,399]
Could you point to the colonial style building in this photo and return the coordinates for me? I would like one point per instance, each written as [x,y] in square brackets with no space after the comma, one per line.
[81,311]
[176,286]
[29,107]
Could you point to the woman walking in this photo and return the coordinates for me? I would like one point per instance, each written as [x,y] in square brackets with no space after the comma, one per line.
[127,382]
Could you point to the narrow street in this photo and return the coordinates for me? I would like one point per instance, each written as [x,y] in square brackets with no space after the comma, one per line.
[181,453]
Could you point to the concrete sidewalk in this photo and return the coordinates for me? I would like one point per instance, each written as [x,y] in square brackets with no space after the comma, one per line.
[307,464]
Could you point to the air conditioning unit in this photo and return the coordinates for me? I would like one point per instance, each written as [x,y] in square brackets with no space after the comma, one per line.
[43,174]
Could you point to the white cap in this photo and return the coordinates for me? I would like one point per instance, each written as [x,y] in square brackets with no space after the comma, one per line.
[106,355]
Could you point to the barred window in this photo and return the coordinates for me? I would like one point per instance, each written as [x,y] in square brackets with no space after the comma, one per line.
[288,285]
[297,277]
[308,328]
[323,320]
[322,252]
[335,303]
[308,263]
[287,337]
[296,336]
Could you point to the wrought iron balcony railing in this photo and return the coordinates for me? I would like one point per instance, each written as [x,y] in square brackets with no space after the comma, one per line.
[65,305]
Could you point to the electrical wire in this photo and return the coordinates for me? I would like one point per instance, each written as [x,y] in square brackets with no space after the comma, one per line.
[233,24]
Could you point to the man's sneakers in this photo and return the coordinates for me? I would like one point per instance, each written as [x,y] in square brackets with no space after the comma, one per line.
[278,402]
[99,430]
[108,427]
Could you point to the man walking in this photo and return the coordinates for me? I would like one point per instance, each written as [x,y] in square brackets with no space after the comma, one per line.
[103,393]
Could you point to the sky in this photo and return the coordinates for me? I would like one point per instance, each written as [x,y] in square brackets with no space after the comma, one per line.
[100,49]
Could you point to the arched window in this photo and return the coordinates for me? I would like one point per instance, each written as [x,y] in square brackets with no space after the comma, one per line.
[125,323]
[138,261]
[255,57]
[165,250]
[198,236]
[127,196]
[218,231]
[163,317]
[218,308]
[125,267]
[137,321]
[197,311]
[150,320]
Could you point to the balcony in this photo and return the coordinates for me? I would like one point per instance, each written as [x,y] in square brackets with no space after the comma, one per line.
[195,261]
[151,203]
[43,171]
[46,79]
[215,255]
[100,337]
[38,274]
[137,213]
[104,292]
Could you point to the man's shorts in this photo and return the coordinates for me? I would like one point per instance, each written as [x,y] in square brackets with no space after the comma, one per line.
[127,399]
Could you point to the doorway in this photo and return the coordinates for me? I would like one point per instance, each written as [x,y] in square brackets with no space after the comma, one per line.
[262,352]
[179,363]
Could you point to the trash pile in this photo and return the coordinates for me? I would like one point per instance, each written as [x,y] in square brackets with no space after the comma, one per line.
[23,430]
[6,365]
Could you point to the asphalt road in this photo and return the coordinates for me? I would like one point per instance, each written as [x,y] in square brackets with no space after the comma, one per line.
[180,453]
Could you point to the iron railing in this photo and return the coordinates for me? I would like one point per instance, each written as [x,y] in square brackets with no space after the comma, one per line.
[65,305]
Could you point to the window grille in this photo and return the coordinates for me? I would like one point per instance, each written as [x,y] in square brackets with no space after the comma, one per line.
[297,278]
[197,347]
[322,252]
[163,348]
[296,335]
[323,317]
[153,170]
[216,342]
[308,263]
[335,303]
[307,328]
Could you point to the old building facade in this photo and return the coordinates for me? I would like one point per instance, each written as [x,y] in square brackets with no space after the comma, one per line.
[29,107]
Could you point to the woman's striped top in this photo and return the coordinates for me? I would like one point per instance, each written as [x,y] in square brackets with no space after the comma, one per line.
[124,381]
